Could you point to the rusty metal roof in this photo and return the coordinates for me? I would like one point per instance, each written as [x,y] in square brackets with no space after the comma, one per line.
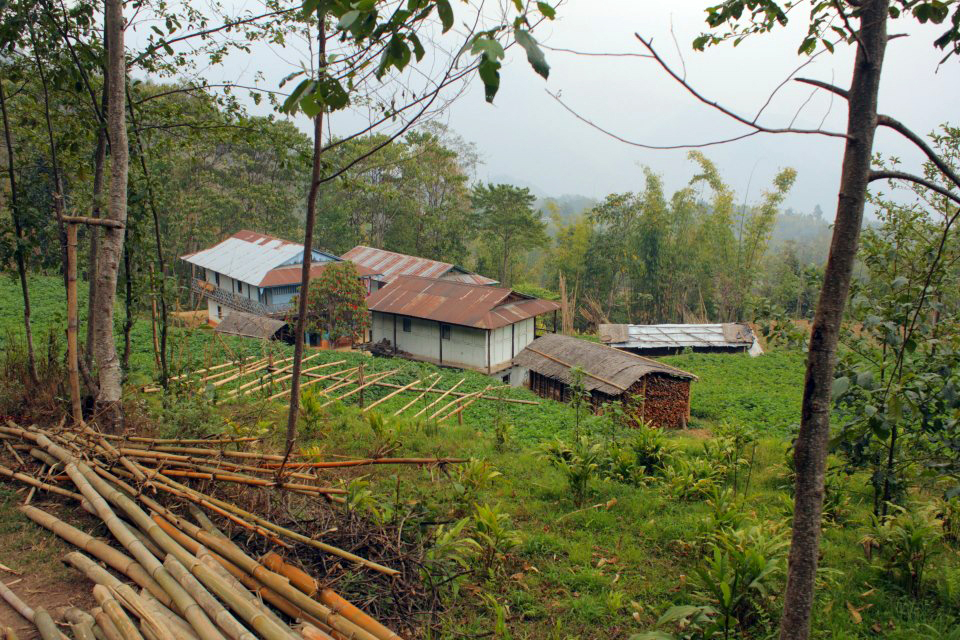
[460,303]
[292,274]
[613,371]
[390,265]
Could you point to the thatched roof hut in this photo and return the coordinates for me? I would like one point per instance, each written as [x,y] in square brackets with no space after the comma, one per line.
[249,325]
[661,393]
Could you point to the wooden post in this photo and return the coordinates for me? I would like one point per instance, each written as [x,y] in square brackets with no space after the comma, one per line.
[73,363]
[360,382]
[153,321]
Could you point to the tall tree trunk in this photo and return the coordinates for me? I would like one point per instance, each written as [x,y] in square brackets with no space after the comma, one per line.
[18,230]
[111,244]
[300,325]
[810,451]
[99,159]
[128,304]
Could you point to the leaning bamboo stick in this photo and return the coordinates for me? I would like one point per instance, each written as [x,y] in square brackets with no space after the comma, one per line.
[203,464]
[277,378]
[389,395]
[272,376]
[313,380]
[468,401]
[198,451]
[446,406]
[372,380]
[422,393]
[391,385]
[151,624]
[180,628]
[114,559]
[442,396]
[208,369]
[263,364]
[258,482]
[235,371]
[131,440]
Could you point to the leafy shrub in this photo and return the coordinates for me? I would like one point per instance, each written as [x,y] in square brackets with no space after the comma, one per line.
[948,511]
[473,476]
[905,541]
[578,464]
[652,449]
[690,478]
[494,536]
[726,512]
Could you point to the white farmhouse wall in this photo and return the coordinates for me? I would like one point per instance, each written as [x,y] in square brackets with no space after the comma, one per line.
[466,347]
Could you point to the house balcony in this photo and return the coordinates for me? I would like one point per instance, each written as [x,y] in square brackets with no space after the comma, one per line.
[235,300]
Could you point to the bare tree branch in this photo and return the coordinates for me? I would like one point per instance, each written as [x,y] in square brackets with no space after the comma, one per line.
[909,177]
[934,157]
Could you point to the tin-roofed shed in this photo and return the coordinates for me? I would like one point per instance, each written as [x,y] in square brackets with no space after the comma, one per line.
[670,339]
[656,392]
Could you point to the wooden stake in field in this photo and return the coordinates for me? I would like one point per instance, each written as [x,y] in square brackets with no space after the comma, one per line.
[442,396]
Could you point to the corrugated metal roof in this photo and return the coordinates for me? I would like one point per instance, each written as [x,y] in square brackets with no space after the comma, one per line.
[470,305]
[612,371]
[249,256]
[238,323]
[292,275]
[659,336]
[390,265]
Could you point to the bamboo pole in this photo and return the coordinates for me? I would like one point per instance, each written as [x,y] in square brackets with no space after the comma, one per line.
[224,619]
[442,396]
[179,627]
[152,625]
[448,405]
[306,583]
[459,410]
[113,609]
[27,612]
[361,387]
[111,557]
[81,623]
[106,625]
[276,377]
[243,590]
[391,385]
[213,368]
[390,395]
[263,364]
[33,482]
[247,566]
[86,481]
[422,393]
[313,380]
[333,464]
[258,482]
[205,500]
[73,360]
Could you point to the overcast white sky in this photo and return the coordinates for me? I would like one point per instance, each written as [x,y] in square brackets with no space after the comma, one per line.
[529,137]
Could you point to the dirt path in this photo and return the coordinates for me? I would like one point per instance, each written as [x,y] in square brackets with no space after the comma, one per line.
[33,552]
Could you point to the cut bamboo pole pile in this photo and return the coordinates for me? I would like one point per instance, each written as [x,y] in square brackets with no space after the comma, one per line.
[195,583]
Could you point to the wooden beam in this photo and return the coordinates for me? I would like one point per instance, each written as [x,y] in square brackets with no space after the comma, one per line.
[97,222]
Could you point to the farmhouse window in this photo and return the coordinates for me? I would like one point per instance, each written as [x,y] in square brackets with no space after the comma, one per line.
[216,277]
[407,325]
[219,312]
[239,287]
[444,332]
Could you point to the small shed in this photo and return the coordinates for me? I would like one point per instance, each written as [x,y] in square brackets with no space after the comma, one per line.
[248,325]
[660,393]
[670,339]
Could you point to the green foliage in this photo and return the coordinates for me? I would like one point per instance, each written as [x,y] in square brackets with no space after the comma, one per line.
[577,462]
[472,477]
[495,537]
[336,303]
[761,393]
[690,478]
[905,540]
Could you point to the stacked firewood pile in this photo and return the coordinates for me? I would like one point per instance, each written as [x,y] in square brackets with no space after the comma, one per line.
[664,400]
[194,581]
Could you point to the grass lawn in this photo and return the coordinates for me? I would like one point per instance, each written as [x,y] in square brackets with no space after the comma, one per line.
[605,568]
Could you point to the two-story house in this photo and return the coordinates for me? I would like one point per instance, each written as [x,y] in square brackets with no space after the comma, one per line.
[254,273]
